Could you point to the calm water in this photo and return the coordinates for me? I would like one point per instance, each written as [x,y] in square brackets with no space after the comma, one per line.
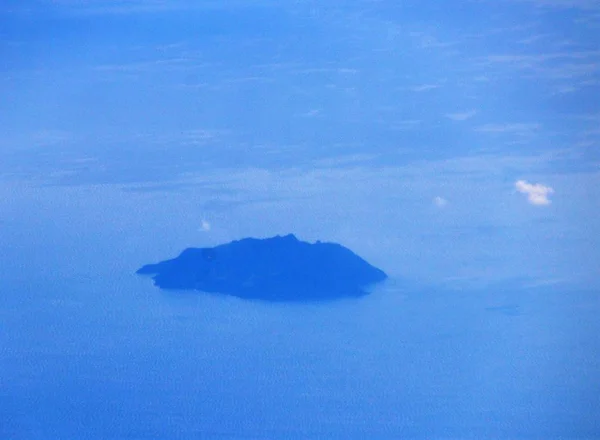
[89,350]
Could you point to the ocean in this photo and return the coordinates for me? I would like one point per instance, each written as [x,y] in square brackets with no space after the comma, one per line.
[92,351]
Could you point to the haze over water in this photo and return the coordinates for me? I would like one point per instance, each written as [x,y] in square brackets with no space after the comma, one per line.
[455,146]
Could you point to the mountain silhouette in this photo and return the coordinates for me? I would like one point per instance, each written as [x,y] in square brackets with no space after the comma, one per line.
[278,269]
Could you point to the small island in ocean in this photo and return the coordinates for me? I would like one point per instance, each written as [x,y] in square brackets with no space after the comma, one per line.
[279,268]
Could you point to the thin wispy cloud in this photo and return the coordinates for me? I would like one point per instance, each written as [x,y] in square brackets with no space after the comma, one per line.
[158,65]
[205,226]
[537,194]
[579,65]
[533,38]
[516,128]
[461,116]
[127,7]
[440,202]
[424,87]
[564,4]
[52,137]
[407,124]
[528,60]
[427,41]
[311,113]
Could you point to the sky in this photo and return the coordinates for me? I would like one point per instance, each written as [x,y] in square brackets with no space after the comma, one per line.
[448,142]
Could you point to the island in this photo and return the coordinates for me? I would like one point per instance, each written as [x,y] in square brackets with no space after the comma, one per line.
[279,268]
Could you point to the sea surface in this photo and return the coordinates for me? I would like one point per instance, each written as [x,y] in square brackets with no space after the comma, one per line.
[89,350]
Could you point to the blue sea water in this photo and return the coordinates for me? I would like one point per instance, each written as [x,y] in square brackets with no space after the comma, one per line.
[91,350]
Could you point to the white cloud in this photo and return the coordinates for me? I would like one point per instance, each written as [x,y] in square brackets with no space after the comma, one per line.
[124,7]
[311,113]
[406,124]
[52,137]
[537,194]
[440,202]
[509,128]
[571,65]
[424,87]
[204,226]
[565,4]
[463,116]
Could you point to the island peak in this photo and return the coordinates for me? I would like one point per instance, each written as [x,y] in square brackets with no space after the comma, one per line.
[275,268]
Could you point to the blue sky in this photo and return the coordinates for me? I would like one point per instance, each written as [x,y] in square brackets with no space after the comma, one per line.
[446,141]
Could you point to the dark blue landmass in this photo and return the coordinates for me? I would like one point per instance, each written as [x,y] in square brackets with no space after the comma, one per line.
[279,268]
